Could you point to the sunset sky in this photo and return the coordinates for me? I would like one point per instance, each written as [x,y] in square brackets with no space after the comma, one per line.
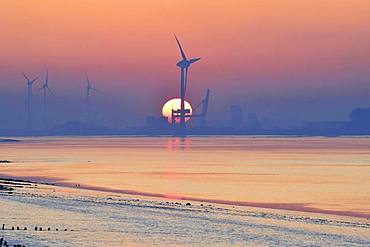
[289,61]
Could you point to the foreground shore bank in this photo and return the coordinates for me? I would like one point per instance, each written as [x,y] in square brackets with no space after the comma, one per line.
[299,207]
[96,218]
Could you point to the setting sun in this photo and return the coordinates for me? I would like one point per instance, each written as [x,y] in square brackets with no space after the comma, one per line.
[174,104]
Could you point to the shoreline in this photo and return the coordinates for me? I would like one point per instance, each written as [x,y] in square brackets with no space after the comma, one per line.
[292,207]
[94,218]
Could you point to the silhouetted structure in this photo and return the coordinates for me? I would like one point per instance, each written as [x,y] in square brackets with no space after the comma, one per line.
[252,122]
[361,115]
[29,98]
[360,119]
[327,125]
[236,116]
[184,64]
[89,88]
[203,114]
[157,123]
[46,89]
[80,128]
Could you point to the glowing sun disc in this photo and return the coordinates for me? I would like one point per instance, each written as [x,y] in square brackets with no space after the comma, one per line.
[174,104]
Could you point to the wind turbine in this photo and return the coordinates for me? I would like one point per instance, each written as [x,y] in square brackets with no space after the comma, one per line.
[46,89]
[29,98]
[184,64]
[89,88]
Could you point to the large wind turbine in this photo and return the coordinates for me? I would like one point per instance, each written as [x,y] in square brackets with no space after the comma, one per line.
[184,64]
[29,98]
[46,89]
[89,88]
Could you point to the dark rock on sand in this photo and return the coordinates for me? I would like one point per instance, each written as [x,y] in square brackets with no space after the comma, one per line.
[5,188]
[9,140]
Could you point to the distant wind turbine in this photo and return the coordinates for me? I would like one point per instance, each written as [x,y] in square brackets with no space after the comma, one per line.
[29,98]
[184,64]
[89,88]
[46,89]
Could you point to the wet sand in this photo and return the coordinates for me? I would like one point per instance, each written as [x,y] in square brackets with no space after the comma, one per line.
[91,218]
[302,207]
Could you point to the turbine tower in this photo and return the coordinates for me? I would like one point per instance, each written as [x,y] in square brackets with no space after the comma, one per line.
[29,98]
[184,64]
[46,89]
[89,88]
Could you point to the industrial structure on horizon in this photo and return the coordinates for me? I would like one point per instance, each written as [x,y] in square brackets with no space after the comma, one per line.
[184,113]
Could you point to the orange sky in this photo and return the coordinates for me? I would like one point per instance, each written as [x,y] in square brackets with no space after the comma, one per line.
[252,45]
[94,33]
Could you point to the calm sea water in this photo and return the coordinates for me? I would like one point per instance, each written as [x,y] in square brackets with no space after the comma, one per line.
[327,175]
[322,173]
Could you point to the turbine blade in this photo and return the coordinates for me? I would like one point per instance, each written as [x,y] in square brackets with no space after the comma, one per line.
[182,51]
[51,92]
[193,60]
[47,77]
[24,75]
[87,79]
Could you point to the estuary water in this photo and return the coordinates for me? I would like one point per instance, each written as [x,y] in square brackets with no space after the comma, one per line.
[193,191]
[313,174]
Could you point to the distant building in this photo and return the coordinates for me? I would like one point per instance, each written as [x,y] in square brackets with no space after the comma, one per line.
[361,115]
[327,125]
[79,128]
[253,122]
[360,119]
[157,122]
[236,116]
[359,125]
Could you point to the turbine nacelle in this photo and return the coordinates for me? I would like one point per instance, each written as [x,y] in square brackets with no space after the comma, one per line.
[186,63]
[46,87]
[46,84]
[29,82]
[89,87]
